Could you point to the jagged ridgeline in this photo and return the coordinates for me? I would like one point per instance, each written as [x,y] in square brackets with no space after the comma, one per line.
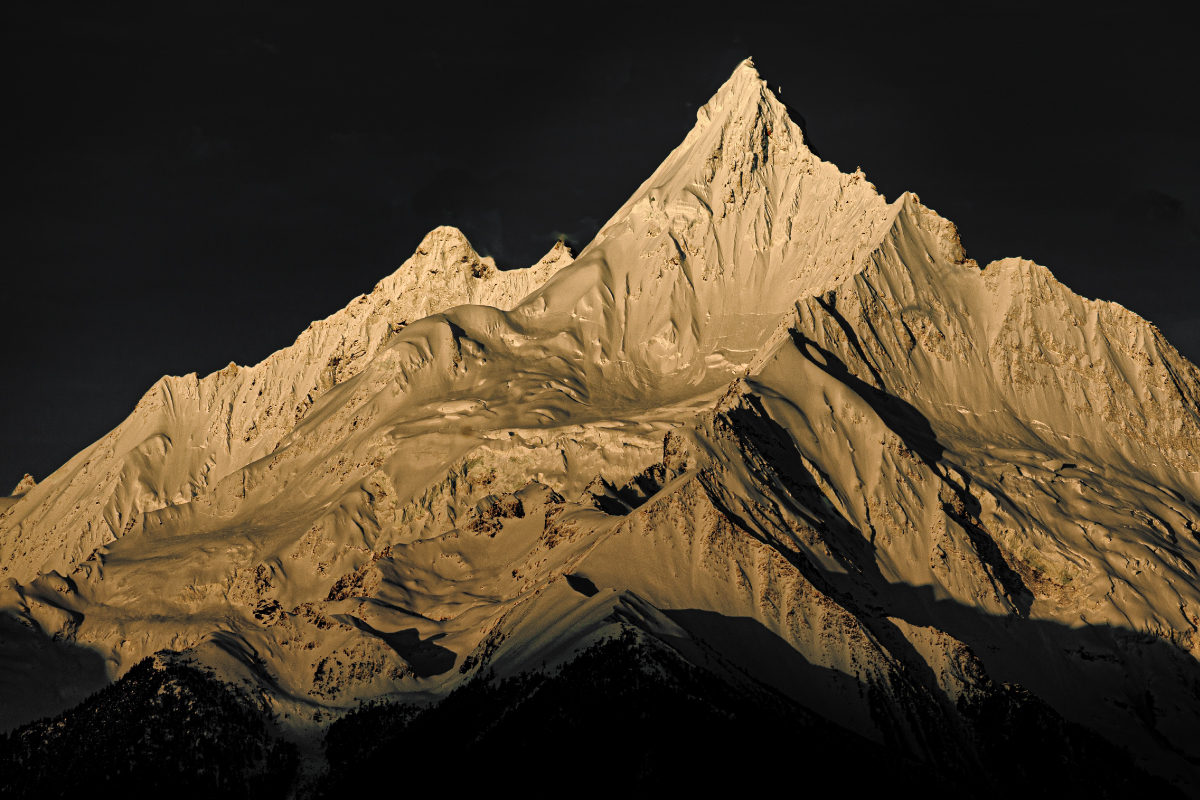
[839,483]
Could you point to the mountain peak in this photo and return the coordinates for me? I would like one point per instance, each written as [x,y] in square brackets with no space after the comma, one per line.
[446,247]
[745,74]
[744,94]
[239,414]
[919,490]
[743,139]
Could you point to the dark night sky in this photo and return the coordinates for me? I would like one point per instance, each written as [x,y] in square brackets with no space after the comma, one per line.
[190,184]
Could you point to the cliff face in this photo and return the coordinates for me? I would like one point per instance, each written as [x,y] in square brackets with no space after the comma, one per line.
[767,418]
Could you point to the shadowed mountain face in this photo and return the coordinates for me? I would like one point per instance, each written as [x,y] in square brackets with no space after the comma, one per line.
[766,423]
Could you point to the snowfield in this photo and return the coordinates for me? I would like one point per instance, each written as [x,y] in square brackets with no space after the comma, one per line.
[766,418]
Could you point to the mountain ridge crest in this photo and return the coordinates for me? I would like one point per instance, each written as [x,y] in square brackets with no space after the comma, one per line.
[766,417]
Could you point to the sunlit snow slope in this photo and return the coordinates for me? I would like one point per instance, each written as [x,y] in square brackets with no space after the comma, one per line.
[766,417]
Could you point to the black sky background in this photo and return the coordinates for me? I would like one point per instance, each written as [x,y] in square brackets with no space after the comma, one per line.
[186,185]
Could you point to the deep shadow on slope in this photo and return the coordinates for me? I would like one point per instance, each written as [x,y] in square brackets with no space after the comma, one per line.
[918,605]
[168,729]
[425,657]
[631,718]
[901,416]
[1050,659]
[623,718]
[1021,745]
[918,435]
[40,675]
[1046,657]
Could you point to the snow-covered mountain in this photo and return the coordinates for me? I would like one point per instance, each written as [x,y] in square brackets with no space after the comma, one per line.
[766,419]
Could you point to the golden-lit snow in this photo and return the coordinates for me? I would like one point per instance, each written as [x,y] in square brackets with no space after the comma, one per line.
[761,394]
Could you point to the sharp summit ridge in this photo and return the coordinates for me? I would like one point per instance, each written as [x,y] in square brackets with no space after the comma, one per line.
[766,431]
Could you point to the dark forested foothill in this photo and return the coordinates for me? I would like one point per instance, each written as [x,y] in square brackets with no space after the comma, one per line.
[628,716]
[164,728]
[625,716]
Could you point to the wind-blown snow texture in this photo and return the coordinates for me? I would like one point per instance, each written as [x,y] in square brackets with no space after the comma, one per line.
[764,409]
